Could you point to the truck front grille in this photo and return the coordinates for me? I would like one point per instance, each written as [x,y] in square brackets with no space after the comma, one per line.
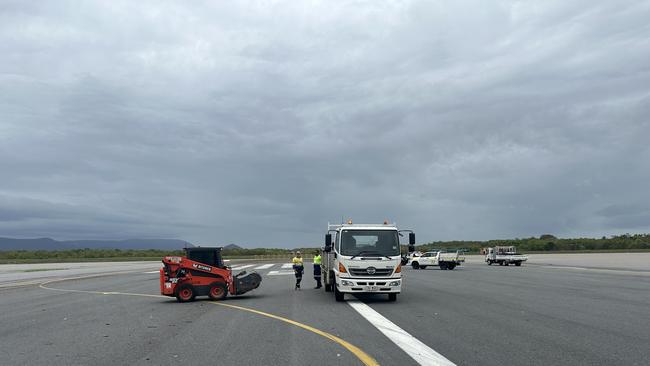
[362,272]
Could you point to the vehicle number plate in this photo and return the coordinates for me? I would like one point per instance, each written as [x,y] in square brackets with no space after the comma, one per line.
[372,288]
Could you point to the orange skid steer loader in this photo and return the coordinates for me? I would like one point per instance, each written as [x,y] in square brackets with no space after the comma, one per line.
[202,273]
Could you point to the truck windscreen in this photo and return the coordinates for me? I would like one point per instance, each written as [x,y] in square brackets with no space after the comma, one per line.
[370,242]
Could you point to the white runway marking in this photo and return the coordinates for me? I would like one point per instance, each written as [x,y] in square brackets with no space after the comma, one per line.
[152,272]
[241,267]
[287,265]
[280,273]
[265,266]
[420,352]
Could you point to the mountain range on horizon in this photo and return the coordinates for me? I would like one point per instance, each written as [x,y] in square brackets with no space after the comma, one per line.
[52,244]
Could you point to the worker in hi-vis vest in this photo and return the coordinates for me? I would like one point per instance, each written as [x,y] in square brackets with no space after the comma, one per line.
[317,262]
[298,269]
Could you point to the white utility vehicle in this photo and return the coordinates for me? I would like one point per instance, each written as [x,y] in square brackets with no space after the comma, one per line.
[439,258]
[363,258]
[504,256]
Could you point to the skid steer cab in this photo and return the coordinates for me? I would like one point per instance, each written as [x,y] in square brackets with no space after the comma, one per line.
[201,272]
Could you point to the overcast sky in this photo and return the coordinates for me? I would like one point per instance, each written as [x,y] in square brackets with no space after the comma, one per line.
[256,123]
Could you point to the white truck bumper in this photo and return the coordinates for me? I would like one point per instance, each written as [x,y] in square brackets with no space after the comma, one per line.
[369,285]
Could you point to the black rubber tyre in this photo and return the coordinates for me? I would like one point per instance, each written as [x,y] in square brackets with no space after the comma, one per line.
[518,264]
[415,265]
[423,267]
[506,263]
[500,263]
[339,296]
[330,288]
[392,297]
[443,266]
[489,262]
[218,291]
[451,267]
[185,293]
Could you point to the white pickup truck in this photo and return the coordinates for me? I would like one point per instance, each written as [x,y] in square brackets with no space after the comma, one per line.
[439,258]
[504,256]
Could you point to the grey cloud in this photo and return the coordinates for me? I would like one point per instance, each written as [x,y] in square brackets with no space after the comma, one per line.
[257,124]
[623,210]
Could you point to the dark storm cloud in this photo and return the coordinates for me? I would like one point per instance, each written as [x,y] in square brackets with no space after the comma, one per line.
[258,122]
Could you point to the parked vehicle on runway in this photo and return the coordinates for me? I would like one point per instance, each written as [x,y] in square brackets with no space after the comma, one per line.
[364,258]
[202,273]
[439,258]
[504,256]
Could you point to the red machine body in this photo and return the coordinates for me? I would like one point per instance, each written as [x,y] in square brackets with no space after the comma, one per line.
[202,273]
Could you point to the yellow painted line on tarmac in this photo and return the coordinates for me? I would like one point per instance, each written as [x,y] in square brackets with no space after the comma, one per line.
[19,284]
[365,358]
[361,355]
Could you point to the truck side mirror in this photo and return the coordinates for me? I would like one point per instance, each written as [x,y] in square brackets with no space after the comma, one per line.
[328,243]
[411,238]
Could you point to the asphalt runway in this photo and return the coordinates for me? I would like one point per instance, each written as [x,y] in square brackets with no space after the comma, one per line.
[473,315]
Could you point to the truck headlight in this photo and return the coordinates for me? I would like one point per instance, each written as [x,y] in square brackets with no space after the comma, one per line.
[394,283]
[347,283]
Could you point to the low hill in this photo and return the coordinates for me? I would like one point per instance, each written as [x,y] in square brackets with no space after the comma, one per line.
[51,244]
[232,247]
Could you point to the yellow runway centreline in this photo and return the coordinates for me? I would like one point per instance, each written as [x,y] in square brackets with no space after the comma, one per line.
[365,358]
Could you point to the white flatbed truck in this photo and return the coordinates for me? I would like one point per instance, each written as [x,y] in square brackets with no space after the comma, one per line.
[504,256]
[363,258]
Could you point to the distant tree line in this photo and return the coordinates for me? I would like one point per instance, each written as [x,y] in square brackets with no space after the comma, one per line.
[256,251]
[72,254]
[545,243]
[86,254]
[265,251]
[549,243]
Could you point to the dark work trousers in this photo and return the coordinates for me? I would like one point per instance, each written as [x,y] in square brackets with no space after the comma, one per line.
[317,275]
[298,270]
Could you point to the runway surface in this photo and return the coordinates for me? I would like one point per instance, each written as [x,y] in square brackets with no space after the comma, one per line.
[474,315]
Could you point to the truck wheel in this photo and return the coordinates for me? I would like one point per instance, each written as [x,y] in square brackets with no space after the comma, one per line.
[506,263]
[489,262]
[443,266]
[339,296]
[218,291]
[185,293]
[392,297]
[518,264]
[330,287]
[451,267]
[500,263]
[415,265]
[423,267]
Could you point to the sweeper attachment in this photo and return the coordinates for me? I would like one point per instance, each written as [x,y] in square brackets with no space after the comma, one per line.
[202,273]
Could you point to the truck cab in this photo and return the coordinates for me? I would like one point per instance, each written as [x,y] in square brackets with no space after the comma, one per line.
[363,258]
